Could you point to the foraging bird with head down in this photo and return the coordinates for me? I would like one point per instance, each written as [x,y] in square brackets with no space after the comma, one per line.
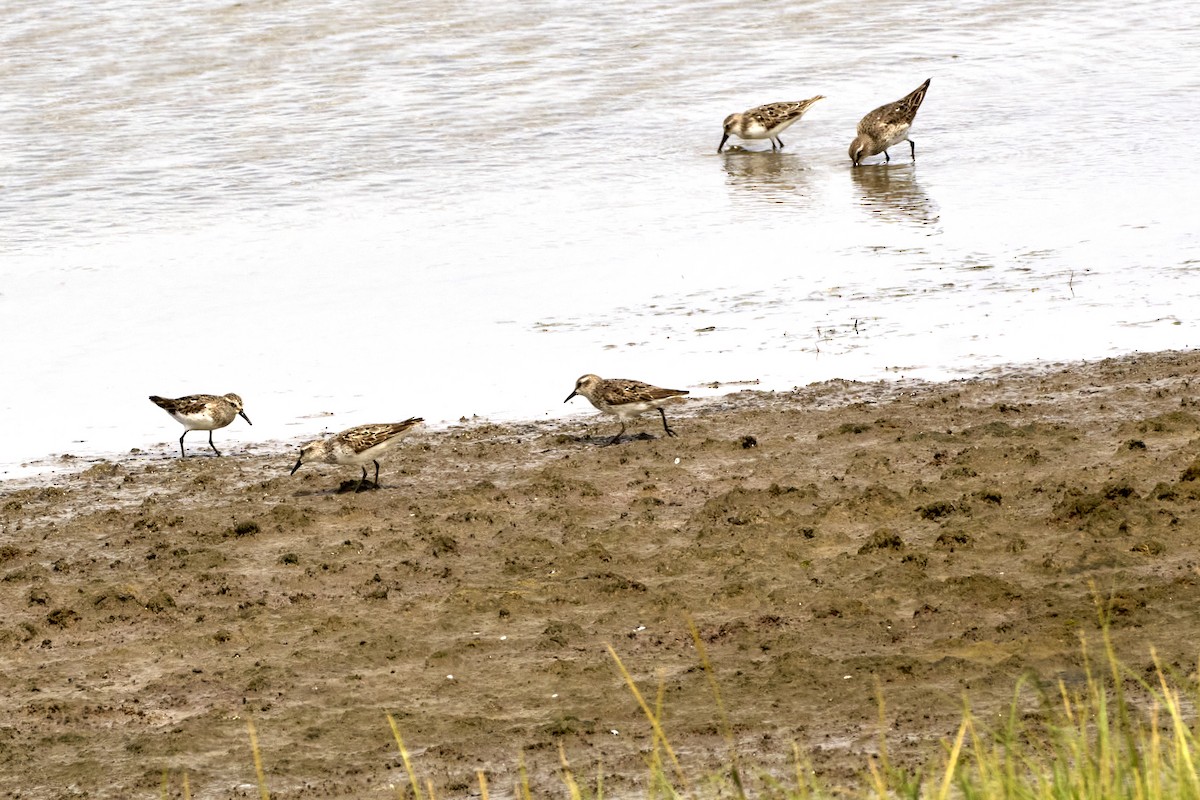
[359,446]
[888,125]
[624,399]
[766,122]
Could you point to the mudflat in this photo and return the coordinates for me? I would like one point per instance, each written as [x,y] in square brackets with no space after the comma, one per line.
[925,541]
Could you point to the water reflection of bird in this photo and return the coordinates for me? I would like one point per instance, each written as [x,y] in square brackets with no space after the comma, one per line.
[894,193]
[766,175]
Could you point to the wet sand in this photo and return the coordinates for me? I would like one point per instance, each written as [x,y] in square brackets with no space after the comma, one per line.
[936,539]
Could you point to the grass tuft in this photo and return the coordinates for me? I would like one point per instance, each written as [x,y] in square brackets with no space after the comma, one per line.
[1116,736]
[661,738]
[412,776]
[258,764]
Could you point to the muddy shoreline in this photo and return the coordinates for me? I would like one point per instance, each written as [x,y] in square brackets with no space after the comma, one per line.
[935,540]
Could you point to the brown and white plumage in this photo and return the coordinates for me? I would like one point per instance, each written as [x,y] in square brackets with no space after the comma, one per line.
[624,398]
[202,412]
[360,445]
[888,125]
[766,122]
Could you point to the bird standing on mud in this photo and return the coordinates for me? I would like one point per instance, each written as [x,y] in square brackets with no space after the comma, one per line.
[202,412]
[361,445]
[624,399]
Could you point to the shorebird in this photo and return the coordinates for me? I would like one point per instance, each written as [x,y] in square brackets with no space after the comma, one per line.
[361,445]
[766,122]
[887,126]
[624,399]
[202,412]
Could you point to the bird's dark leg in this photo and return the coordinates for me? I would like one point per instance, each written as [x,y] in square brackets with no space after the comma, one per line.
[666,427]
[361,481]
[617,438]
[376,474]
[886,158]
[913,147]
[182,454]
[780,142]
[213,446]
[772,144]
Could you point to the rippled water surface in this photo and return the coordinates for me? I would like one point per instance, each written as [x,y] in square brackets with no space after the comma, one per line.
[354,212]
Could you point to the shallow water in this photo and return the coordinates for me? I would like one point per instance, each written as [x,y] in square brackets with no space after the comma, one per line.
[354,212]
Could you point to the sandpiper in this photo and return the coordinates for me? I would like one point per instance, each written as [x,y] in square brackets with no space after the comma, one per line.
[361,445]
[202,412]
[766,122]
[886,126]
[624,399]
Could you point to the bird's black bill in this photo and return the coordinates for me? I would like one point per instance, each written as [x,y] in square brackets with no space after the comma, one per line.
[572,394]
[243,415]
[724,139]
[299,461]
